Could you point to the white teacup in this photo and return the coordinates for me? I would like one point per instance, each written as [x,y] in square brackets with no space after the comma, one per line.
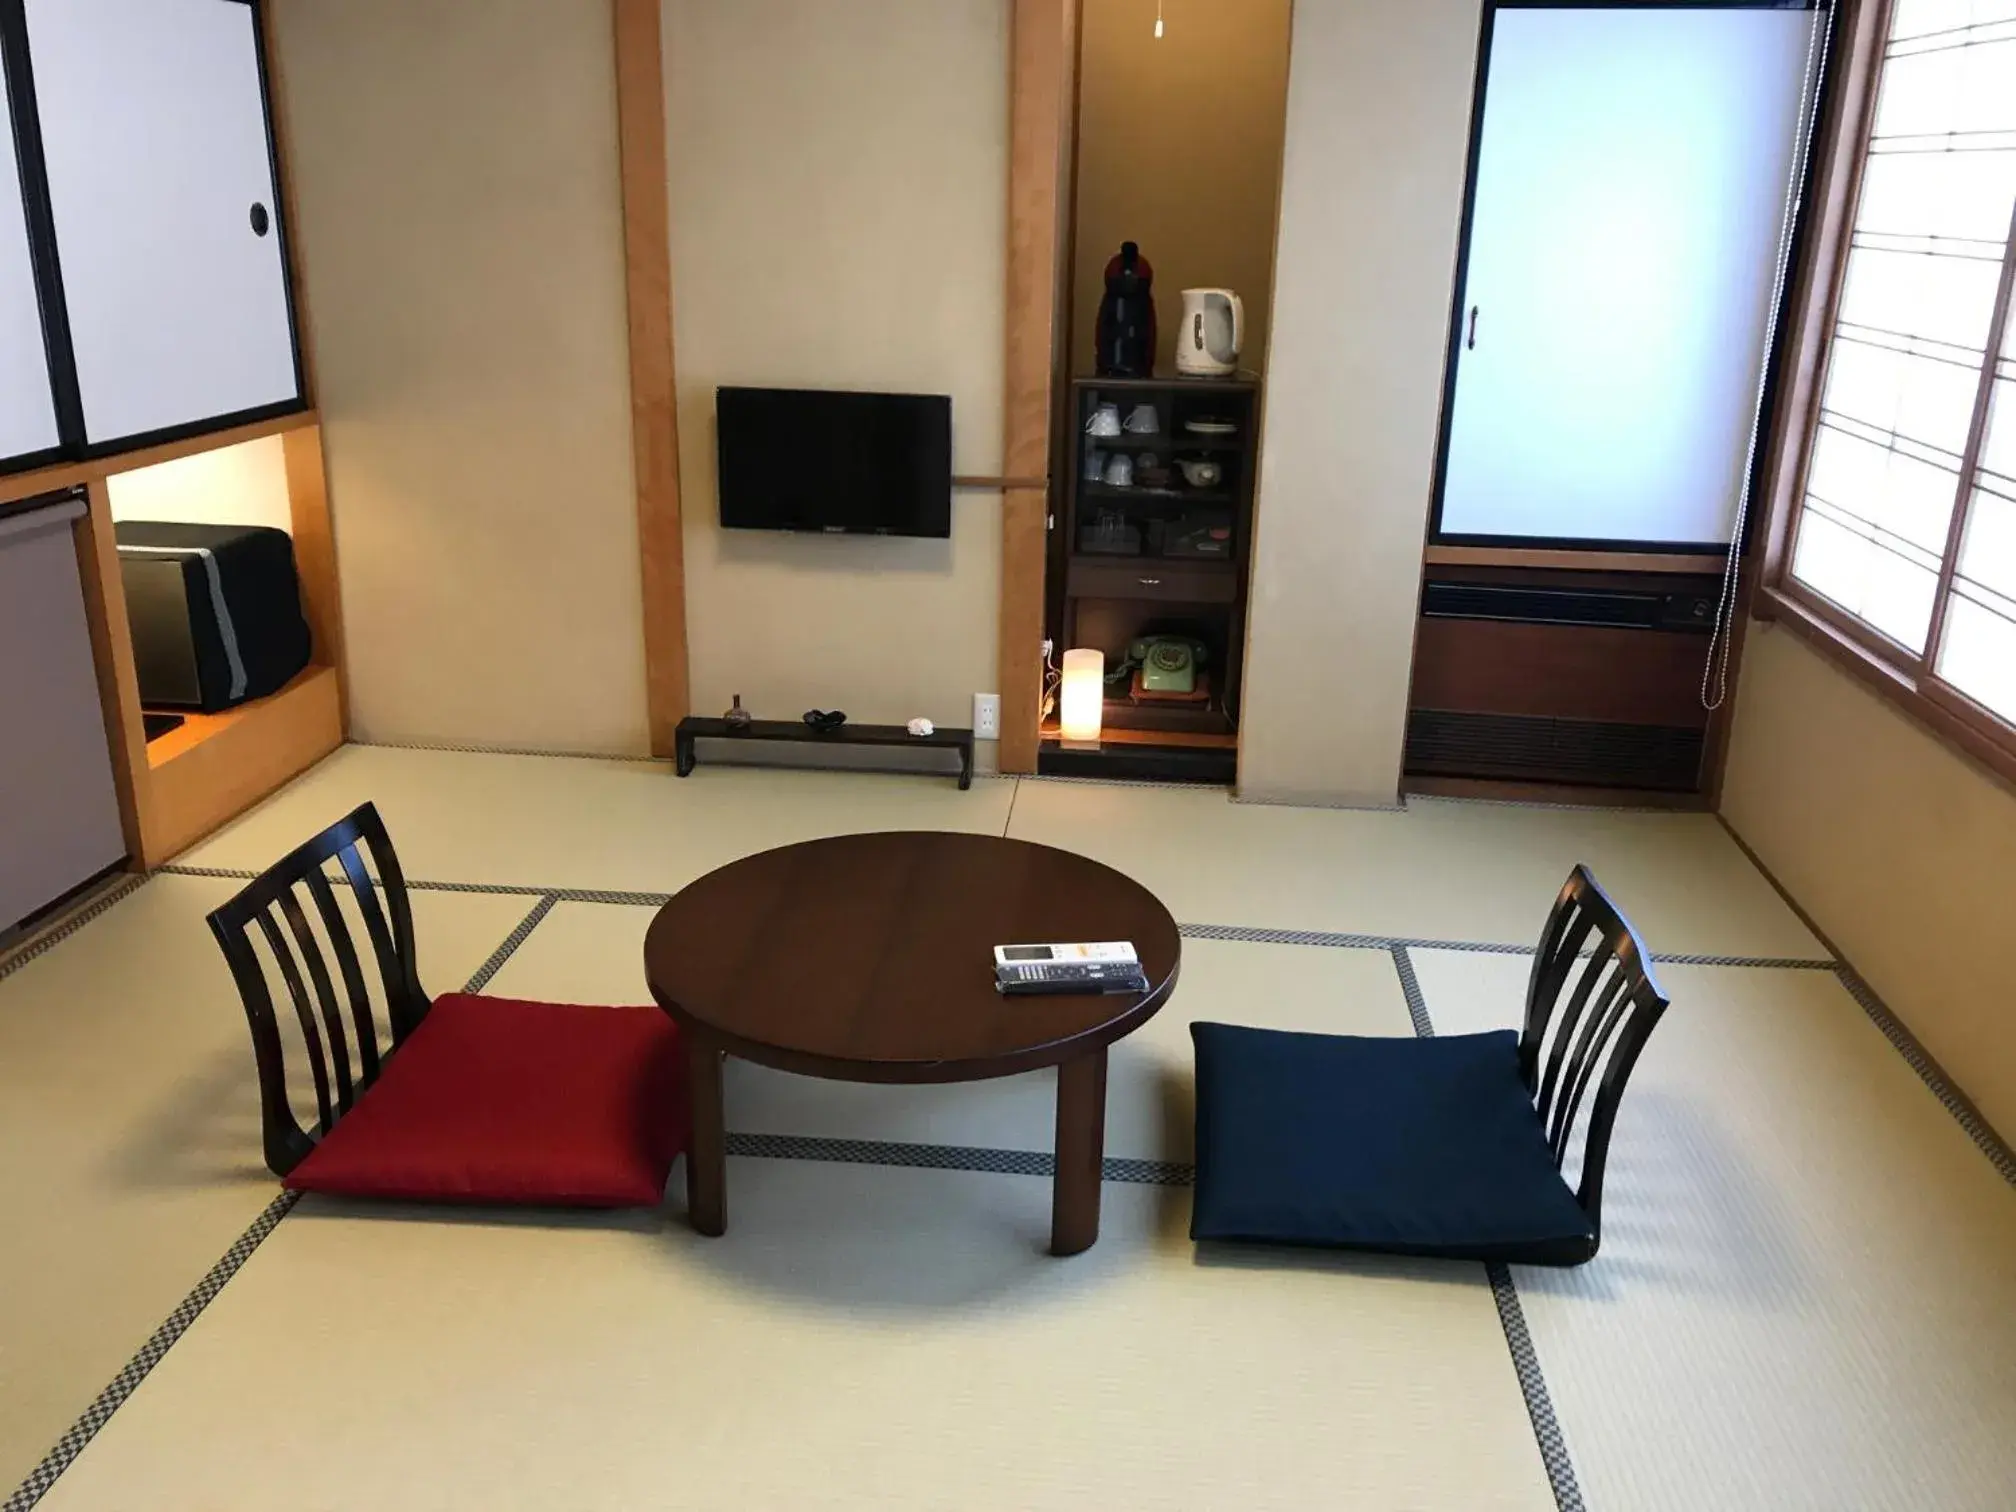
[1105,421]
[1143,421]
[1119,471]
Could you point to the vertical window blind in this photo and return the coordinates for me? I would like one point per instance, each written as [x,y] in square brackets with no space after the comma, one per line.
[1907,525]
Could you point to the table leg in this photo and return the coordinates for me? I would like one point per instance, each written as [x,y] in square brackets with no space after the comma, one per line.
[1081,1153]
[707,1145]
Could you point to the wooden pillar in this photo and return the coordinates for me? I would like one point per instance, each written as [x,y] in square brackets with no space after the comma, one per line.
[654,420]
[1043,66]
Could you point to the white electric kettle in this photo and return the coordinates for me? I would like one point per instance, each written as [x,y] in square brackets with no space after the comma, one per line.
[1214,326]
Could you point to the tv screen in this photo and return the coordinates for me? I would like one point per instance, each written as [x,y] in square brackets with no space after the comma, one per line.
[845,463]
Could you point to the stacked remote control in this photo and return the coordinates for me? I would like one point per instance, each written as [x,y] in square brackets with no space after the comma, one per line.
[1029,970]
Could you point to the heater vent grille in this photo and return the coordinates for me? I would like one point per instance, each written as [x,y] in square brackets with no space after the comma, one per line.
[1522,748]
[1618,607]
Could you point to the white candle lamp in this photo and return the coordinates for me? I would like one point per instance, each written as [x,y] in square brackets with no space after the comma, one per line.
[1082,701]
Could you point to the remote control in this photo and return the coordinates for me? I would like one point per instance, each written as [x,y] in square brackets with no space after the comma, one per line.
[1108,967]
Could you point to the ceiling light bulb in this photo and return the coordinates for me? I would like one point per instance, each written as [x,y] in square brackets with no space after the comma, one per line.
[1158,19]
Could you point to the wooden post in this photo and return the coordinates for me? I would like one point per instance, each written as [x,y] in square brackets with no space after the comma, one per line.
[1043,65]
[654,419]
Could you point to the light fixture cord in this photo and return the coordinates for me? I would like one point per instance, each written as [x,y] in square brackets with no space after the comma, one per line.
[1715,674]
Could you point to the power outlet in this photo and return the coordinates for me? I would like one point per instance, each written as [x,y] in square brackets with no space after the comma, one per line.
[986,716]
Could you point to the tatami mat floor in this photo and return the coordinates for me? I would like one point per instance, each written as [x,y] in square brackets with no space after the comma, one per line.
[1806,1296]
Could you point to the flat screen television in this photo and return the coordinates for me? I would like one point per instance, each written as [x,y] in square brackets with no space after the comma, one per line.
[841,463]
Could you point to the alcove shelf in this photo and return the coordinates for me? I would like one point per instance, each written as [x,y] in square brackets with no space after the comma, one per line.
[199,777]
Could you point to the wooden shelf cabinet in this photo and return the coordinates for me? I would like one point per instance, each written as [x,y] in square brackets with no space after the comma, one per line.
[197,778]
[1107,598]
[203,775]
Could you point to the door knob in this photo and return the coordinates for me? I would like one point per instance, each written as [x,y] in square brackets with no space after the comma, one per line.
[261,220]
[1472,342]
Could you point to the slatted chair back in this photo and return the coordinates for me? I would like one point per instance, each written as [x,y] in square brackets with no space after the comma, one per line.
[342,1050]
[1591,1004]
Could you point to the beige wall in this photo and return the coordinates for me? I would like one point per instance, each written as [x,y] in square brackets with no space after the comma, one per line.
[839,190]
[1903,853]
[460,237]
[1179,149]
[244,484]
[1372,189]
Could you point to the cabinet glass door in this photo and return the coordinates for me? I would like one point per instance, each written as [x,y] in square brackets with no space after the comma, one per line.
[1630,186]
[167,217]
[27,404]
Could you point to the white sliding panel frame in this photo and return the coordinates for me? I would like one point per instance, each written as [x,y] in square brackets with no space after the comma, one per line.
[1631,176]
[161,180]
[27,402]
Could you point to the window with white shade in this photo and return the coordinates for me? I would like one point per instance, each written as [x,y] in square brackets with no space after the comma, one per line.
[1903,536]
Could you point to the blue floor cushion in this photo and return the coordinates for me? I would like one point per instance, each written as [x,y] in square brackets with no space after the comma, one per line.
[1410,1146]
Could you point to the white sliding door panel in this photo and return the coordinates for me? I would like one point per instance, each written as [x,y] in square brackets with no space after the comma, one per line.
[27,404]
[1630,189]
[155,133]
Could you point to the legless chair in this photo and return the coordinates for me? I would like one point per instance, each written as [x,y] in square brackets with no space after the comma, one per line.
[1450,1146]
[455,1099]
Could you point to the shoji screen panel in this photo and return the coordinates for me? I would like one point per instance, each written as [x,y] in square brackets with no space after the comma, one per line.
[166,211]
[1629,193]
[27,404]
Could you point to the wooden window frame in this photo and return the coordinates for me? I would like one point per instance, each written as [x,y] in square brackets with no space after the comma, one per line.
[1904,677]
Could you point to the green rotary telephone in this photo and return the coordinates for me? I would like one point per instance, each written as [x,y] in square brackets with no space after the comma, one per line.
[1168,663]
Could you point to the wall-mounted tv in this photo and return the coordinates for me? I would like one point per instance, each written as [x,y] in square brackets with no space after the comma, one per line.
[837,462]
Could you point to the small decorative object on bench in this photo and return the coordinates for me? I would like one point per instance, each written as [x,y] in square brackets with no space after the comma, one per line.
[1451,1147]
[457,1099]
[795,732]
[823,721]
[738,719]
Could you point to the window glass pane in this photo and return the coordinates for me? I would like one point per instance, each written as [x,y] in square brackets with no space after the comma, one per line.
[1927,399]
[1948,89]
[1919,18]
[1998,447]
[1939,193]
[1977,654]
[1898,495]
[1904,367]
[1871,581]
[1988,549]
[1988,546]
[1945,297]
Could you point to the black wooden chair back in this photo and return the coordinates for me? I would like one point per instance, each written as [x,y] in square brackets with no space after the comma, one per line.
[1591,1004]
[342,1051]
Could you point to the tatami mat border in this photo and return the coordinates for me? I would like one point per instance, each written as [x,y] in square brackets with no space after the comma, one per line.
[1533,1387]
[95,1417]
[1410,988]
[81,1432]
[1547,1434]
[1929,1072]
[1251,934]
[948,1158]
[495,962]
[42,944]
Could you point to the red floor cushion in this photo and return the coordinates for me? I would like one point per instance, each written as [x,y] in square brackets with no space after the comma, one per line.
[499,1101]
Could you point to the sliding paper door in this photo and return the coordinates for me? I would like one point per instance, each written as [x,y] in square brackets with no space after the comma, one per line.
[162,187]
[1630,184]
[27,404]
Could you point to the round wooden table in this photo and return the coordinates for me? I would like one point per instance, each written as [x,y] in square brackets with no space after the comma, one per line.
[871,958]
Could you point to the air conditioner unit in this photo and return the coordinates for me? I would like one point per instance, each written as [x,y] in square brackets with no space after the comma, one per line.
[1595,686]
